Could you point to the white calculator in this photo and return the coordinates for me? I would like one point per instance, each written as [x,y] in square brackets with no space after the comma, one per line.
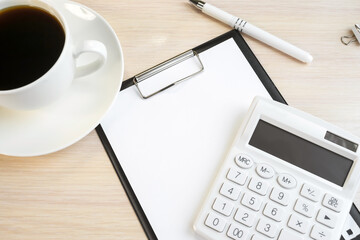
[288,176]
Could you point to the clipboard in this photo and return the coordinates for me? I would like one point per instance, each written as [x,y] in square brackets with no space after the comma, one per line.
[151,223]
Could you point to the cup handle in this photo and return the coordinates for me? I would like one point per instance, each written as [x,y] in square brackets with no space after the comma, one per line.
[91,46]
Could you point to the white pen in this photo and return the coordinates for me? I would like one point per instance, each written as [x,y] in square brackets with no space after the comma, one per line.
[253,31]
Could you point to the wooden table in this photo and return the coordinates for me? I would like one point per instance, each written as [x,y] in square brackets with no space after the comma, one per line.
[75,193]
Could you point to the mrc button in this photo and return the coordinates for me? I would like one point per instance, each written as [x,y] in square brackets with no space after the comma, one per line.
[286,180]
[243,161]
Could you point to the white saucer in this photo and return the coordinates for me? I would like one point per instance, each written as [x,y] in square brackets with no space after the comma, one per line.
[84,105]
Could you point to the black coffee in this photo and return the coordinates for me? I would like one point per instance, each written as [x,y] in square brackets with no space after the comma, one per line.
[31,41]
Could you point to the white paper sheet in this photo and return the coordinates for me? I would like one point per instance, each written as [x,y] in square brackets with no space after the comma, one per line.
[171,145]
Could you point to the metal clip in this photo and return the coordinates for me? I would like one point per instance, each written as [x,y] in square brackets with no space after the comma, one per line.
[163,66]
[346,40]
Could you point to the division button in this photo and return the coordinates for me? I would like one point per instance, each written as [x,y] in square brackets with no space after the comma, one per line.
[320,233]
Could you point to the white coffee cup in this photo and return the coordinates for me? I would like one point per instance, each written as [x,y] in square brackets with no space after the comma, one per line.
[54,83]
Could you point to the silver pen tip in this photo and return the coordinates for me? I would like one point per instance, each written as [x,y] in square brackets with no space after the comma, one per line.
[197,3]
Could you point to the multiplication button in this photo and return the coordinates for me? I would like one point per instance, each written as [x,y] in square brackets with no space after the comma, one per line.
[298,223]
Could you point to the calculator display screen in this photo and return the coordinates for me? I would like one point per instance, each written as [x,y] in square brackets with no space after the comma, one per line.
[300,152]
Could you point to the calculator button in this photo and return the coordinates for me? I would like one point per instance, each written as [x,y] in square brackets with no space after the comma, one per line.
[245,216]
[222,206]
[237,232]
[310,192]
[244,161]
[237,176]
[327,218]
[257,237]
[304,208]
[319,233]
[286,180]
[215,222]
[273,211]
[258,185]
[298,223]
[332,202]
[267,228]
[251,201]
[280,196]
[264,170]
[286,235]
[230,191]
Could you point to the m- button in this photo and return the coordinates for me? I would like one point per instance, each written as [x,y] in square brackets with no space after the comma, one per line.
[243,161]
[264,170]
[286,180]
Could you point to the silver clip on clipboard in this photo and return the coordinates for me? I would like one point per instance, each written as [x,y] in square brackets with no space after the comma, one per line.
[141,77]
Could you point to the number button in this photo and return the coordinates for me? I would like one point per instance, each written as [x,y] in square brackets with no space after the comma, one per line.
[305,208]
[286,181]
[273,211]
[280,196]
[265,171]
[230,191]
[215,222]
[298,223]
[237,232]
[267,228]
[223,206]
[259,186]
[245,216]
[310,192]
[244,161]
[237,176]
[251,201]
[332,203]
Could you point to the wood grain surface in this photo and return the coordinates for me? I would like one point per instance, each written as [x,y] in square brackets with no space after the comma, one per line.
[75,193]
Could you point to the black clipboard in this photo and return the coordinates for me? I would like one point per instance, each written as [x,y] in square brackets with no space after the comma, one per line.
[262,75]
